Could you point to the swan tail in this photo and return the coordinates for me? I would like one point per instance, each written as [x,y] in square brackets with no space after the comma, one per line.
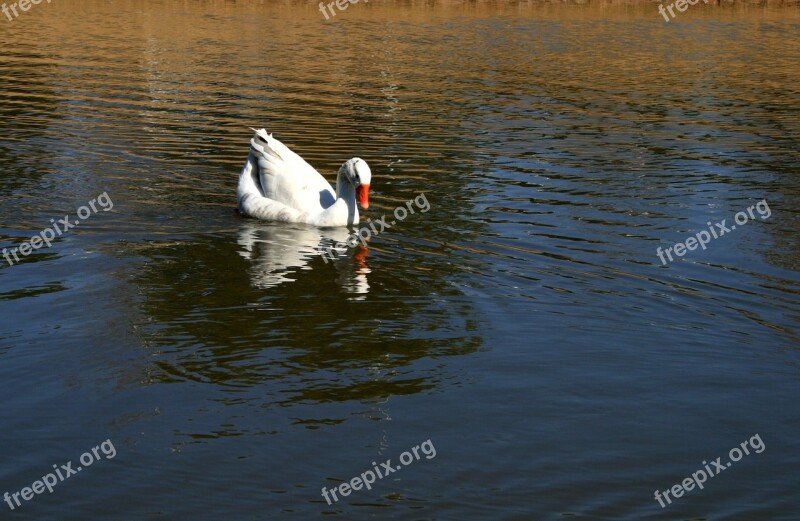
[253,202]
[249,184]
[277,154]
[265,145]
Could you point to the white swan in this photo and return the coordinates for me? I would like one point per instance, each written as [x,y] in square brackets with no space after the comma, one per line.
[278,185]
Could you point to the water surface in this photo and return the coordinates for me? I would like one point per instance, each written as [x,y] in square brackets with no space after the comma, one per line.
[524,325]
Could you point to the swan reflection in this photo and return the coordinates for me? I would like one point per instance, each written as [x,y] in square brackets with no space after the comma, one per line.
[277,251]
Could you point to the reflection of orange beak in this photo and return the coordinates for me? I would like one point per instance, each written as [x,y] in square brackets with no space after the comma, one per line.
[361,259]
[362,192]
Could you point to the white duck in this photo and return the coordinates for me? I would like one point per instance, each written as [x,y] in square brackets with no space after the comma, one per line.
[278,185]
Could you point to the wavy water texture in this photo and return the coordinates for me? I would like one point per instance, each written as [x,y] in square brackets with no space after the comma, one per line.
[524,323]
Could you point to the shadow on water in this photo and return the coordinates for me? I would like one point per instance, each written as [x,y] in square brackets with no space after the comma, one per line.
[264,310]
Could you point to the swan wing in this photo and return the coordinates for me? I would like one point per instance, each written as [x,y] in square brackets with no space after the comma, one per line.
[287,178]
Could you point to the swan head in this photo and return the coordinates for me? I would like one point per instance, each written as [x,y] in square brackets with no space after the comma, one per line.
[360,176]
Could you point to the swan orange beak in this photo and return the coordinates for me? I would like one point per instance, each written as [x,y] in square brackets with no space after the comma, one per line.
[362,192]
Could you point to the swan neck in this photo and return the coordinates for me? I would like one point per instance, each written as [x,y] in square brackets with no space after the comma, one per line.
[345,190]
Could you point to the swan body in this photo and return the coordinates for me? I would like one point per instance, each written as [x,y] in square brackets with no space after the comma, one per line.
[278,185]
